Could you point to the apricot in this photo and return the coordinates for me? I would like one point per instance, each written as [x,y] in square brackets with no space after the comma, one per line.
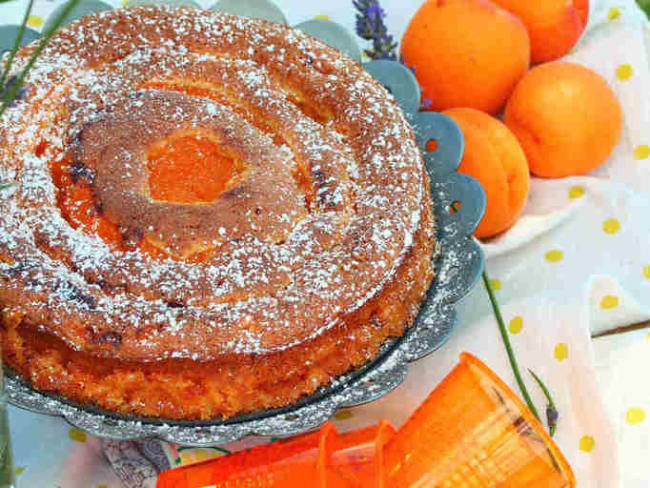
[554,26]
[205,171]
[466,53]
[566,118]
[494,157]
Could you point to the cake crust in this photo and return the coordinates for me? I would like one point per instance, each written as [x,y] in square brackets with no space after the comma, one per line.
[313,254]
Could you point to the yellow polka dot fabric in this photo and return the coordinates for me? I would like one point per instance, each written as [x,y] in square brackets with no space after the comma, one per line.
[621,364]
[642,151]
[35,21]
[554,256]
[561,351]
[609,302]
[611,226]
[624,72]
[587,443]
[495,284]
[515,325]
[576,191]
[614,13]
[635,415]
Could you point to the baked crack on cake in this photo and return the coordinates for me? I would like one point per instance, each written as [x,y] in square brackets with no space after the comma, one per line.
[211,216]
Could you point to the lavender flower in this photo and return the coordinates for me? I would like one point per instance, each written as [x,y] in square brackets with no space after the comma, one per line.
[552,416]
[370,26]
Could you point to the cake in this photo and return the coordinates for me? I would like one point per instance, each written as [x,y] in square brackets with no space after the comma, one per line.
[208,216]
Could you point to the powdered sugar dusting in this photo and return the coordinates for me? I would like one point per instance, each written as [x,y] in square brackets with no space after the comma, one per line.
[316,111]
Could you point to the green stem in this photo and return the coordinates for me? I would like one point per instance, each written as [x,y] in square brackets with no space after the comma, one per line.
[16,46]
[15,87]
[508,346]
[549,399]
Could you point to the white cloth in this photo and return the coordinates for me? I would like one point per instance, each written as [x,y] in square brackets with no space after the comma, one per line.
[591,281]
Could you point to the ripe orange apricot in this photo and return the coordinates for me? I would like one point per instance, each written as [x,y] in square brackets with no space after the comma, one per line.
[493,156]
[206,171]
[466,53]
[554,26]
[566,118]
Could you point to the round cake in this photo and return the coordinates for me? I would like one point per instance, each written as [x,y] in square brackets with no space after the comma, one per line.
[207,216]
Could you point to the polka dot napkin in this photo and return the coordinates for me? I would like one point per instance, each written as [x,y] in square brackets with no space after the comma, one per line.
[576,263]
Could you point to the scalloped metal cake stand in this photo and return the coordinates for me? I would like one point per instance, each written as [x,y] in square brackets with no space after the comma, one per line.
[458,263]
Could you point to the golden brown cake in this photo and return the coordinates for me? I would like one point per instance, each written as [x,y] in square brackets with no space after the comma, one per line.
[210,216]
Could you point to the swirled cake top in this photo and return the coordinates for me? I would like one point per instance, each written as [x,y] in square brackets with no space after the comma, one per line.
[191,184]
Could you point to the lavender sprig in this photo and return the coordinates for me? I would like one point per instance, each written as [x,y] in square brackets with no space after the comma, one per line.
[506,342]
[552,414]
[370,26]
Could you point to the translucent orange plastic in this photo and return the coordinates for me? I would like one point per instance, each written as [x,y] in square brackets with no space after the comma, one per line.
[356,457]
[472,431]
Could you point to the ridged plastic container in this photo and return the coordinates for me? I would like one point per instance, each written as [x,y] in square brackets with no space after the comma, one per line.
[471,431]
